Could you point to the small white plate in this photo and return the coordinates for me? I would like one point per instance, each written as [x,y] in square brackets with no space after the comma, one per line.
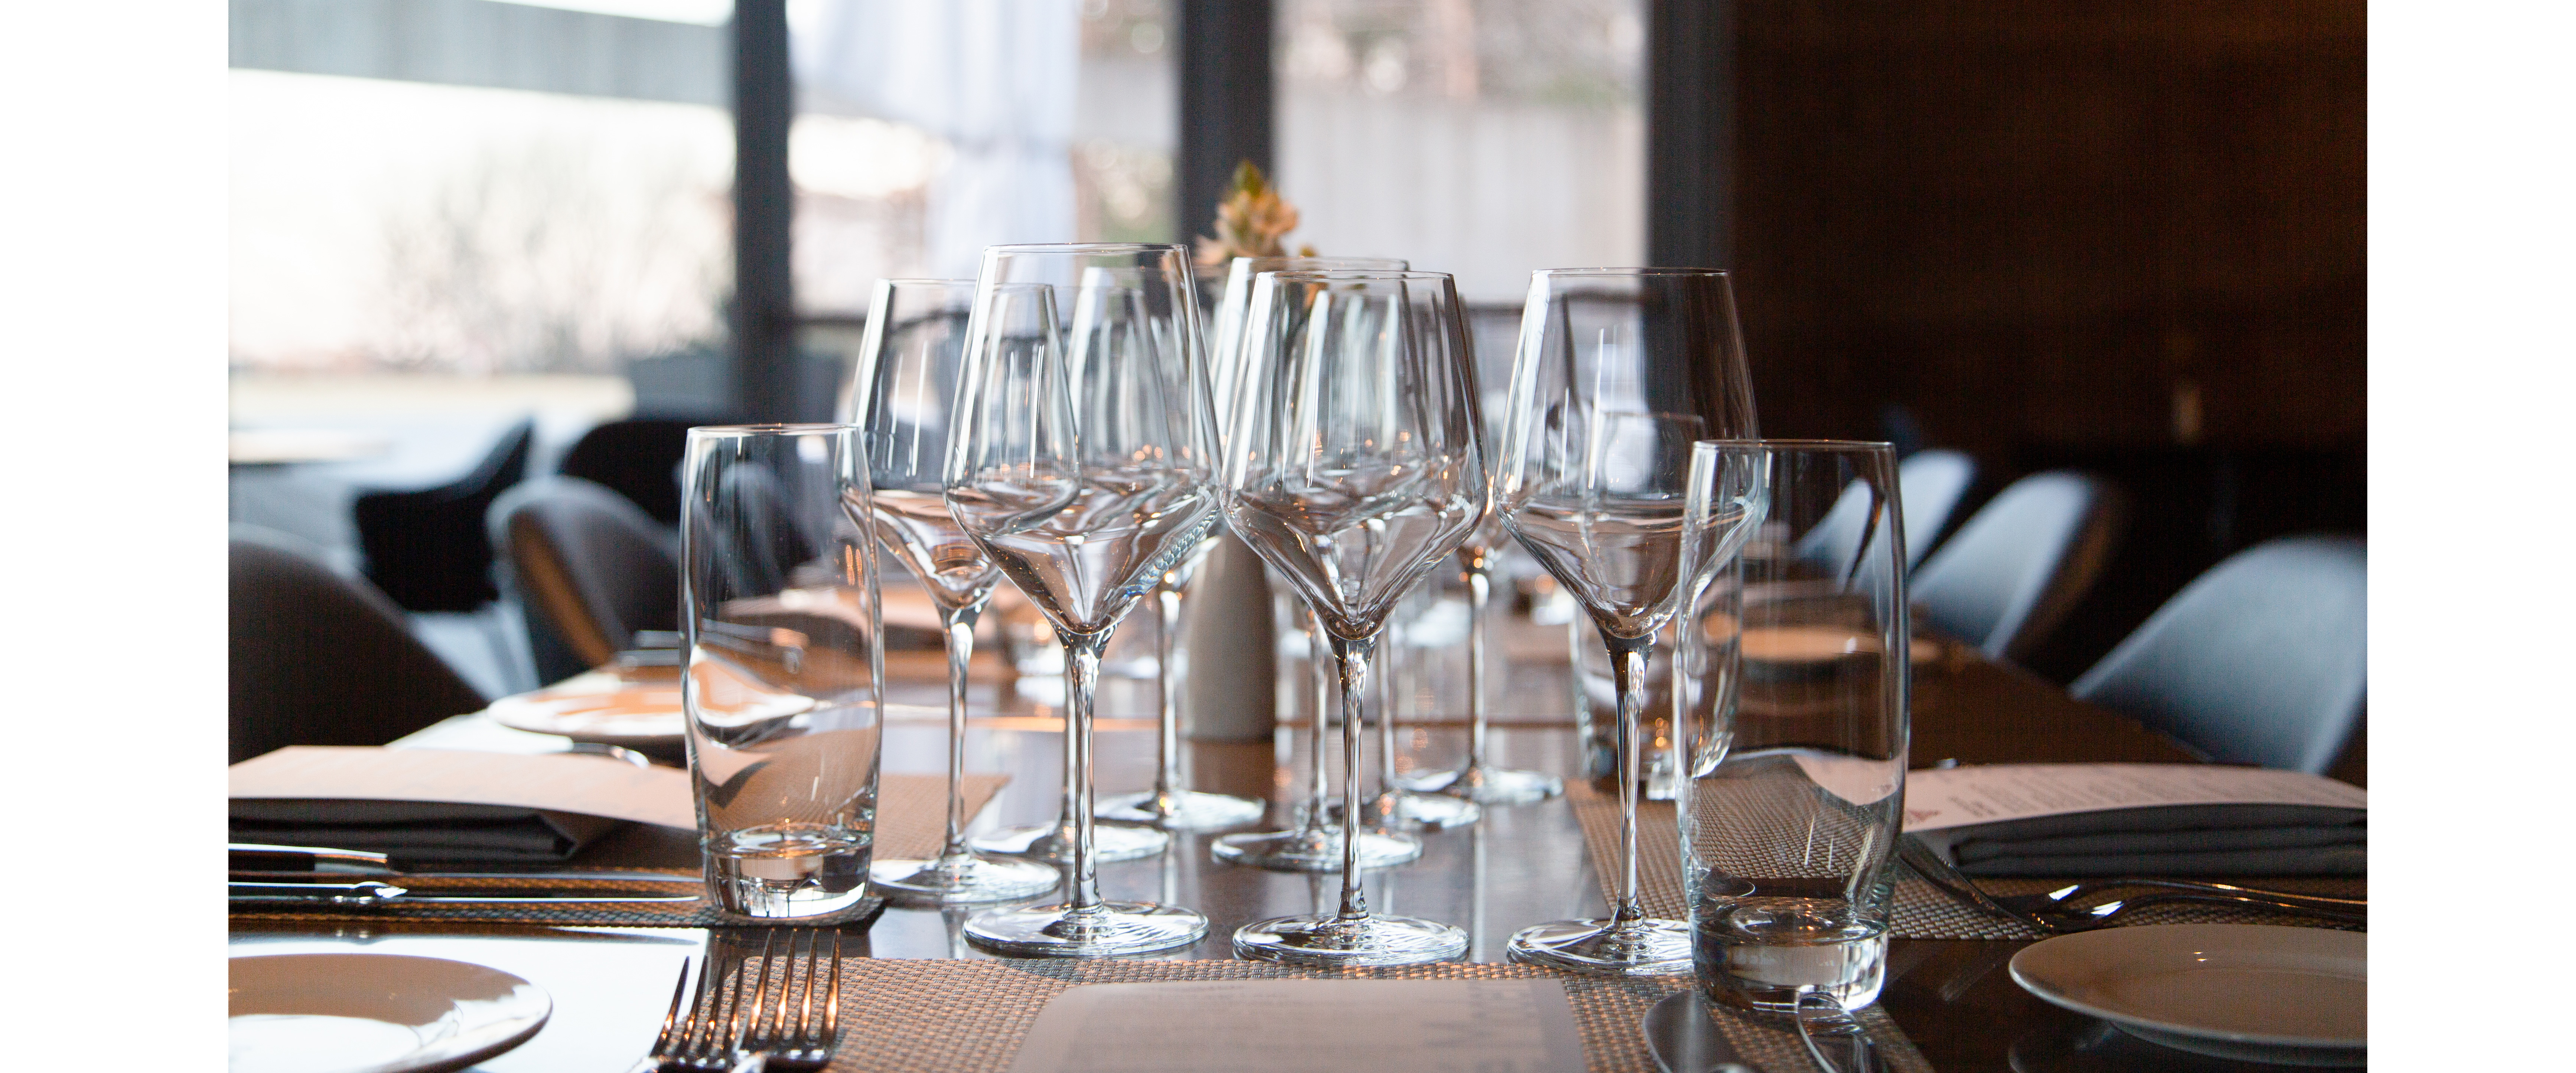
[374,1013]
[2297,996]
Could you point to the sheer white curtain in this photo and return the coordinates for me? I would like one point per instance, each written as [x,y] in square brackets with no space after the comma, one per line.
[995,78]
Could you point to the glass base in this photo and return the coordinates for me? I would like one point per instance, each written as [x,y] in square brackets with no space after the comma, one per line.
[1315,849]
[964,878]
[1489,785]
[787,871]
[1190,810]
[1108,843]
[1642,948]
[1104,930]
[1327,941]
[1429,811]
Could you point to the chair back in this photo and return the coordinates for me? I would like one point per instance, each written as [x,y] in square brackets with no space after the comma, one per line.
[318,659]
[426,547]
[2262,660]
[639,458]
[590,569]
[2021,562]
[1931,483]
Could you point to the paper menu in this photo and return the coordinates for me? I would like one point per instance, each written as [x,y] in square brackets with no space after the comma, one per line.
[1939,798]
[561,782]
[1349,1026]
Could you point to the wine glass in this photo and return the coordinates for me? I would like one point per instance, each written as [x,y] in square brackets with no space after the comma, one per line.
[908,369]
[1081,463]
[1353,467]
[1620,371]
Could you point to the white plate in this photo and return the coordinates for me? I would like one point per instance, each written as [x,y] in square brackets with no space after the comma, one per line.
[375,1013]
[2298,996]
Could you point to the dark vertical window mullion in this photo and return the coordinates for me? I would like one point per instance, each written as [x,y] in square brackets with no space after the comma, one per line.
[1226,89]
[763,377]
[1690,133]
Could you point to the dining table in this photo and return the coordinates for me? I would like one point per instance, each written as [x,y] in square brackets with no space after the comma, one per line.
[1953,999]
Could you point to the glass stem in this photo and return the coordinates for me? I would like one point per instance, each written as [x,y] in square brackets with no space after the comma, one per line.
[1477,565]
[1628,657]
[1352,658]
[1167,771]
[1081,680]
[959,625]
[1320,786]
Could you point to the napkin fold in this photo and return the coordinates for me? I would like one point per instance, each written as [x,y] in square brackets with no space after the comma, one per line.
[2210,840]
[426,832]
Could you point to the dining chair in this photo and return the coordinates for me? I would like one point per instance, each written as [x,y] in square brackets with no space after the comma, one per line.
[320,659]
[589,568]
[639,458]
[1929,484]
[2021,562]
[2262,660]
[425,547]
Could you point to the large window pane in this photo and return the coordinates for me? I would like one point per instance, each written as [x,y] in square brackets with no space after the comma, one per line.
[1486,138]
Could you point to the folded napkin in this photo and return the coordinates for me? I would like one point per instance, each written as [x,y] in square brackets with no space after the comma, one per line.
[2171,840]
[425,832]
[2078,820]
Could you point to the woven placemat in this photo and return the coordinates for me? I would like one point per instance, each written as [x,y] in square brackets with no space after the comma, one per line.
[912,822]
[970,1016]
[1922,911]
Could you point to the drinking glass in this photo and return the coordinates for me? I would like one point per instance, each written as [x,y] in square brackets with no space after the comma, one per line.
[1353,467]
[1619,372]
[909,364]
[1314,843]
[1081,463]
[1796,780]
[784,686]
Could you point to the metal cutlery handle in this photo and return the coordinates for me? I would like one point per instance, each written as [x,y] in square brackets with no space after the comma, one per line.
[2108,910]
[2199,887]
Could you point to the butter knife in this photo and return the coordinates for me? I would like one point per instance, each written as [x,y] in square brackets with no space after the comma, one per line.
[1685,1040]
[369,895]
[319,861]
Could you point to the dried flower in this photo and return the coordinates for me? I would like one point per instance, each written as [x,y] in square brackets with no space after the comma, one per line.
[1250,221]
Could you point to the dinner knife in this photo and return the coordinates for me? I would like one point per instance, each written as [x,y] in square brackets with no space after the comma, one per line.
[1685,1040]
[371,894]
[320,861]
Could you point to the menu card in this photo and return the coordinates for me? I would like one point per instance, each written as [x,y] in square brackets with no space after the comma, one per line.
[1937,798]
[556,782]
[1349,1026]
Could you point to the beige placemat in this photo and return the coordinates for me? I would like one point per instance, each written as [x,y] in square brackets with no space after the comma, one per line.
[970,1016]
[1922,911]
[912,822]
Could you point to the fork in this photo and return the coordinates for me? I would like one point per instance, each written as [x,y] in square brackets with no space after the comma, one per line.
[696,1042]
[2055,918]
[770,1041]
[1835,1023]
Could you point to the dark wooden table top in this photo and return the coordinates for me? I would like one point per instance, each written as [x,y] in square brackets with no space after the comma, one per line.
[1520,866]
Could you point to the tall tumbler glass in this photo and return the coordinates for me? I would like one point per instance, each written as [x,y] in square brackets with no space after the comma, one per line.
[909,365]
[1619,372]
[784,688]
[1354,467]
[1796,784]
[1081,463]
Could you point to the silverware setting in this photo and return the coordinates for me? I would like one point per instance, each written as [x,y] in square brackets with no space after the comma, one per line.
[1821,1017]
[371,895]
[739,1022]
[2055,913]
[1684,1040]
[275,863]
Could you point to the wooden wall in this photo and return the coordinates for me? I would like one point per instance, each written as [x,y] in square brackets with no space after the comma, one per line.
[2051,232]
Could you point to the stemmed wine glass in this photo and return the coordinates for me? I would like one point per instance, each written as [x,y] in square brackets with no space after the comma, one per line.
[1171,804]
[1082,466]
[908,369]
[1620,371]
[1353,467]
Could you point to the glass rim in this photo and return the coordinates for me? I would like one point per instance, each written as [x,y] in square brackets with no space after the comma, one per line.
[776,428]
[1719,273]
[1353,273]
[1086,247]
[1800,445]
[1240,258]
[922,281]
